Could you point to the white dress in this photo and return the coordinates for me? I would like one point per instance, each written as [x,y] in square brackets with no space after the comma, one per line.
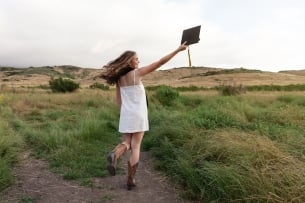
[133,115]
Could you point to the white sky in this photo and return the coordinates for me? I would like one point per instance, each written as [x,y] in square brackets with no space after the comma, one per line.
[256,34]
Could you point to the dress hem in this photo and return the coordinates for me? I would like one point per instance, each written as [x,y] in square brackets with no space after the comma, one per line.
[133,131]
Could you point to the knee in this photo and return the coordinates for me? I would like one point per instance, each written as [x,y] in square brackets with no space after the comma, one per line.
[126,144]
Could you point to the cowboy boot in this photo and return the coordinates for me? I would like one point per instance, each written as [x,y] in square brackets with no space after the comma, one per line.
[113,157]
[131,174]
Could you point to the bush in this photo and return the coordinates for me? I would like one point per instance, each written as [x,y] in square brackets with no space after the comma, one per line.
[63,85]
[167,95]
[229,90]
[291,87]
[99,86]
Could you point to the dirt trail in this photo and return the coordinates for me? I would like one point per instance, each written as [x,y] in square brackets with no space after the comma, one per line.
[35,183]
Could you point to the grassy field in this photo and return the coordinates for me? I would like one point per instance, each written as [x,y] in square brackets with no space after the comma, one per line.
[244,148]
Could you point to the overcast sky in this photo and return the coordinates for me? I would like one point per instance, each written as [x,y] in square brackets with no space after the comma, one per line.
[256,34]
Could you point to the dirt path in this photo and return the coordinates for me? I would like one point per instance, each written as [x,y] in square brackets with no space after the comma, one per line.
[35,183]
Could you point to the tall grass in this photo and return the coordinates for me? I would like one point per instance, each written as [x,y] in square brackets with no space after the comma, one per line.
[10,144]
[246,148]
[232,149]
[73,131]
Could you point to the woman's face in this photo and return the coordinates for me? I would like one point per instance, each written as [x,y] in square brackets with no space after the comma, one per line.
[135,61]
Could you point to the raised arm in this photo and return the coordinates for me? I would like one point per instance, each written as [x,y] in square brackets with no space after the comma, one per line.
[150,68]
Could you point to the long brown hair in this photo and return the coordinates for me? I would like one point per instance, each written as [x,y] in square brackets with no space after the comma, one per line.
[118,67]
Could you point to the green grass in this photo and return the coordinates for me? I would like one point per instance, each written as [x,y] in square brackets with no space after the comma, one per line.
[74,133]
[10,145]
[75,140]
[27,200]
[232,148]
[246,148]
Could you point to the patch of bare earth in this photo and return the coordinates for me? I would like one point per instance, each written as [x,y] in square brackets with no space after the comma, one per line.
[35,183]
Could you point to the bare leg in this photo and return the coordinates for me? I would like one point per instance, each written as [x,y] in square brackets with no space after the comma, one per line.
[136,141]
[127,140]
[118,151]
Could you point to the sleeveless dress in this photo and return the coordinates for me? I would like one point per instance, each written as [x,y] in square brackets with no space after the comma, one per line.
[133,115]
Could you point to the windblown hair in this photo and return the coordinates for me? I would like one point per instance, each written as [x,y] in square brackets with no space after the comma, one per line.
[118,67]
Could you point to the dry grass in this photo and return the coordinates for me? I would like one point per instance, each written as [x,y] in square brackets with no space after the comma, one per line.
[28,100]
[173,77]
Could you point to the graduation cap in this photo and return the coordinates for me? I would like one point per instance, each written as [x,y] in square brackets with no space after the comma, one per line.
[191,36]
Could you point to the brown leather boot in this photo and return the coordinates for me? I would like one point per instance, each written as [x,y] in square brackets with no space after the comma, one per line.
[113,157]
[131,174]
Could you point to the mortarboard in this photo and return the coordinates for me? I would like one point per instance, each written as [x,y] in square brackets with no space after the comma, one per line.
[191,36]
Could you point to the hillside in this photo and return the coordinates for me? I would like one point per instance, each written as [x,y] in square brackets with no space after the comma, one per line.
[294,72]
[197,76]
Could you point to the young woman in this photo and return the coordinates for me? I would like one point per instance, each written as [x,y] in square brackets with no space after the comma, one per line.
[124,72]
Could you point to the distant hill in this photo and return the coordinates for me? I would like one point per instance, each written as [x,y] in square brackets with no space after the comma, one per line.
[34,76]
[183,76]
[294,72]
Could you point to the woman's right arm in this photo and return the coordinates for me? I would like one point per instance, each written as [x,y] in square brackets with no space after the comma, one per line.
[150,68]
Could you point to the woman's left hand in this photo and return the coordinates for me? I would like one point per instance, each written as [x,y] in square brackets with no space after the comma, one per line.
[182,46]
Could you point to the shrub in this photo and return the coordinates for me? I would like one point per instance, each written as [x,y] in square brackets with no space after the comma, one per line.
[63,85]
[99,86]
[44,87]
[229,90]
[166,95]
[291,87]
[190,88]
